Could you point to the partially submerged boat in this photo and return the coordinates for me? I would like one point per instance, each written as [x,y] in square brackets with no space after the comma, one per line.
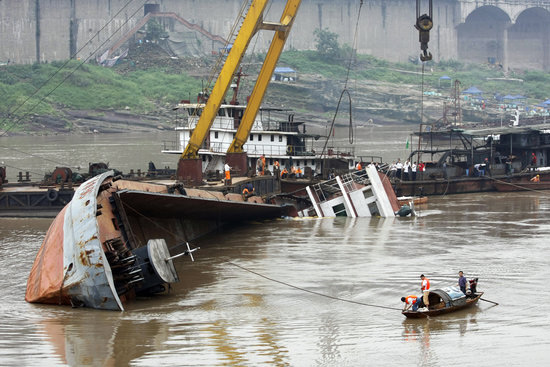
[446,300]
[362,193]
[115,240]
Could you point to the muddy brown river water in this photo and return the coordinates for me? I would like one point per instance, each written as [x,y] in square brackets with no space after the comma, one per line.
[220,314]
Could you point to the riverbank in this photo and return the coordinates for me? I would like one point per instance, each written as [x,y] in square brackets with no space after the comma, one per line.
[139,93]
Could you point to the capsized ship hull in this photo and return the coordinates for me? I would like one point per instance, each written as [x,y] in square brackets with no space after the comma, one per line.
[111,242]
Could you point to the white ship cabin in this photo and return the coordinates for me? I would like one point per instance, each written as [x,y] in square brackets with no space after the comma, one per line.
[275,135]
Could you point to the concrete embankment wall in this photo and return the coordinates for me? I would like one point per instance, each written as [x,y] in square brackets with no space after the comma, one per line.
[48,30]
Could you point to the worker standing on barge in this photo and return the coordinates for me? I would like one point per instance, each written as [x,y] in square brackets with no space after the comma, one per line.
[227,170]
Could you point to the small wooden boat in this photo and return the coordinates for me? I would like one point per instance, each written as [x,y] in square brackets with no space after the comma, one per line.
[446,300]
[416,200]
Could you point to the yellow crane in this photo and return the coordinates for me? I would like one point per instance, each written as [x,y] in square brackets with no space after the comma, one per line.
[190,165]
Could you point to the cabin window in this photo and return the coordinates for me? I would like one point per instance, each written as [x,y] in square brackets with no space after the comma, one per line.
[215,134]
[204,158]
[280,138]
[272,137]
[194,112]
[340,210]
[251,137]
[259,137]
[271,161]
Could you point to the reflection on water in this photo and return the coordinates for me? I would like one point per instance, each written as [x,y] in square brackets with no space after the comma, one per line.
[83,341]
[221,315]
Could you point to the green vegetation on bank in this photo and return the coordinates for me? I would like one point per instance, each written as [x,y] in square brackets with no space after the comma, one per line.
[89,87]
[489,78]
[49,88]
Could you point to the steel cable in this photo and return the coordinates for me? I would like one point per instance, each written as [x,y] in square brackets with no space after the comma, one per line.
[310,291]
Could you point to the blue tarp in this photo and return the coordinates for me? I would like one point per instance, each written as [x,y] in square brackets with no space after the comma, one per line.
[517,96]
[445,77]
[283,70]
[452,296]
[472,90]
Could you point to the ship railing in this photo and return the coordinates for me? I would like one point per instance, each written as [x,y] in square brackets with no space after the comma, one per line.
[325,189]
[228,123]
[340,152]
[360,177]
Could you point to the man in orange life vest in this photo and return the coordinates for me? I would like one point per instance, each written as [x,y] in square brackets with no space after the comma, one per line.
[425,289]
[227,171]
[248,191]
[411,300]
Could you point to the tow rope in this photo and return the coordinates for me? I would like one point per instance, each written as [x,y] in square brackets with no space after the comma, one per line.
[310,291]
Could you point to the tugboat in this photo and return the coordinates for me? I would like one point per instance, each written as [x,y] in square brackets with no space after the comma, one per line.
[281,142]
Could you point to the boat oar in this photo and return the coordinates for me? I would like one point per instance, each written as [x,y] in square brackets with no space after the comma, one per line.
[486,300]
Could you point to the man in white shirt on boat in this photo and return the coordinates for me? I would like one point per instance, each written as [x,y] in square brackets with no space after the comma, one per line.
[399,167]
[406,170]
[227,171]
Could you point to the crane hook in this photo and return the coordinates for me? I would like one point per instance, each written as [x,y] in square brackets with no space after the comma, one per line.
[424,23]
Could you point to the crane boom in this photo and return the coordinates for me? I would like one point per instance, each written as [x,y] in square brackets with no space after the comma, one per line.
[277,44]
[249,27]
[189,165]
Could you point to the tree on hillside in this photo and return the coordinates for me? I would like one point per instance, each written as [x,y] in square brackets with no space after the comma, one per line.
[155,31]
[327,43]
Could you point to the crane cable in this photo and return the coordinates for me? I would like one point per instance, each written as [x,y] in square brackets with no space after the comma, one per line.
[310,291]
[17,121]
[345,90]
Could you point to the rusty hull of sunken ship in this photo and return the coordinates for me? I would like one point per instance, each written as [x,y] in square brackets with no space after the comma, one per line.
[112,242]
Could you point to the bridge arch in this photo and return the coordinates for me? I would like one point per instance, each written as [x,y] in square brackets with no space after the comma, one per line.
[528,40]
[482,37]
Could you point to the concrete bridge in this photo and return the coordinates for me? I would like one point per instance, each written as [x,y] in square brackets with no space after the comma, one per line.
[509,33]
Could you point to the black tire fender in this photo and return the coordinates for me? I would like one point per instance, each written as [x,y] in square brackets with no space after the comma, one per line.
[52,195]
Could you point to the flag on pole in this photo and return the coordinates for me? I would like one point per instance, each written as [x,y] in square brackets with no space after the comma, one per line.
[407,146]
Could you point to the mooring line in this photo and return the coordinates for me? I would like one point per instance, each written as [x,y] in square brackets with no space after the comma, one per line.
[519,186]
[310,291]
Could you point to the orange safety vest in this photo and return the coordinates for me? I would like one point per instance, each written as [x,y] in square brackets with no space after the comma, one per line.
[359,167]
[411,300]
[427,287]
[276,164]
[284,172]
[227,175]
